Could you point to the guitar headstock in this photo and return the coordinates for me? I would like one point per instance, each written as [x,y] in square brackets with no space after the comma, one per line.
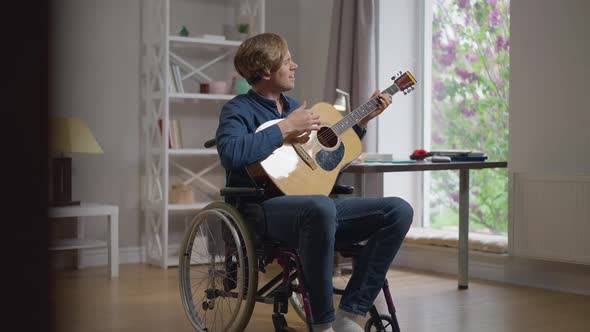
[405,82]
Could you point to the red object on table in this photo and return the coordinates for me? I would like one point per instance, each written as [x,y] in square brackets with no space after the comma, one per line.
[420,154]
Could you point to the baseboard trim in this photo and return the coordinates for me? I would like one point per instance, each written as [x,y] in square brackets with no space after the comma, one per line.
[99,256]
[565,277]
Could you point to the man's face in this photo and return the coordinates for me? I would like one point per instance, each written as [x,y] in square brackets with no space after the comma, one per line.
[284,77]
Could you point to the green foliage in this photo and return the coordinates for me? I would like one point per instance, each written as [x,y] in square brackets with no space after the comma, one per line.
[470,73]
[243,28]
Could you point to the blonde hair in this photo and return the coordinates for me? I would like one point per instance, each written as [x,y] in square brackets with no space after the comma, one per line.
[260,55]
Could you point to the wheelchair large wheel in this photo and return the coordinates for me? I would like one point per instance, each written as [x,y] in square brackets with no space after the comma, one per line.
[217,270]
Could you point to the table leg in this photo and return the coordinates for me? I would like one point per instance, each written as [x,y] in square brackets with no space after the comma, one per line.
[114,244]
[359,184]
[80,236]
[463,228]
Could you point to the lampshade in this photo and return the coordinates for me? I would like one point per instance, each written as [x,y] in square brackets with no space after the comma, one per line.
[342,102]
[72,135]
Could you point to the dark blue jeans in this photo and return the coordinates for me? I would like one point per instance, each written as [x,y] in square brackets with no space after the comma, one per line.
[315,223]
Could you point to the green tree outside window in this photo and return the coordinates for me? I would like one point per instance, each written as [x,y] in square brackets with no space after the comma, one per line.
[470,76]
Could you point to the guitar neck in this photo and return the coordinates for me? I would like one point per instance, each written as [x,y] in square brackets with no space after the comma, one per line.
[361,112]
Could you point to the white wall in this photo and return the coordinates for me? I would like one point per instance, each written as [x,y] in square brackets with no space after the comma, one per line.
[399,46]
[549,135]
[306,26]
[95,76]
[549,81]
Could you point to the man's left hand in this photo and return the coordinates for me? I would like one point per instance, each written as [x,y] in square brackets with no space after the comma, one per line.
[384,101]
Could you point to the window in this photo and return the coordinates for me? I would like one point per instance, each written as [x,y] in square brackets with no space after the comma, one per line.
[459,51]
[469,107]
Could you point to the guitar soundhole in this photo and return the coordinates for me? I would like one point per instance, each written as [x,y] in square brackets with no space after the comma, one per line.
[327,137]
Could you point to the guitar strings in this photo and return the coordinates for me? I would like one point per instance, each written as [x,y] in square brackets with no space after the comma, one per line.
[330,134]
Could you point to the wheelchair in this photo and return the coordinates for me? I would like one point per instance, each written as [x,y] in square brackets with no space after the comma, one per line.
[222,254]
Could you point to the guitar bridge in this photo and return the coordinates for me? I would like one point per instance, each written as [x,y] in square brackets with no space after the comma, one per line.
[307,159]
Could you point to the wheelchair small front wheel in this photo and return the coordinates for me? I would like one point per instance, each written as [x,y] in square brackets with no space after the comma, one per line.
[217,273]
[385,323]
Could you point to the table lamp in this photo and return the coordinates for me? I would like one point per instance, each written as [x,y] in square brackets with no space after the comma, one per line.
[68,135]
[342,102]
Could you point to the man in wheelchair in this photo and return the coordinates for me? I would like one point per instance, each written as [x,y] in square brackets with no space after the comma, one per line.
[313,224]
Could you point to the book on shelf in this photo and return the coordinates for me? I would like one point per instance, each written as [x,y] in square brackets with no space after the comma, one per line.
[172,83]
[369,156]
[461,155]
[174,134]
[469,158]
[161,133]
[457,152]
[178,77]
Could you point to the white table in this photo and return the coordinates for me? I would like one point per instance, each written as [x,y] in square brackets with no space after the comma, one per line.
[362,169]
[91,210]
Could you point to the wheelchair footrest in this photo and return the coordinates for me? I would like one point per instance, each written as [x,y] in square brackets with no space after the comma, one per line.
[280,323]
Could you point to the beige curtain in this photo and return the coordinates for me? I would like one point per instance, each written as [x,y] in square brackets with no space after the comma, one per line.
[352,67]
[352,57]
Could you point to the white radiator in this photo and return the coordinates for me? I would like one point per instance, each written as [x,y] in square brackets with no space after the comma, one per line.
[550,217]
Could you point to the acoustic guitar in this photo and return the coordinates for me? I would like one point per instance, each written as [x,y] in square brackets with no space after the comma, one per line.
[309,164]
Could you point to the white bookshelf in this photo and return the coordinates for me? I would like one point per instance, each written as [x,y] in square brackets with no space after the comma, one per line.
[67,244]
[187,207]
[202,96]
[178,41]
[161,46]
[192,152]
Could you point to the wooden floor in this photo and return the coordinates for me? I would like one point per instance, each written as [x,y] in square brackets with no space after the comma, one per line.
[146,299]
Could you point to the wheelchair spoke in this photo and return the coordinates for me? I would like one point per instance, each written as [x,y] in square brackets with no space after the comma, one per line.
[215,272]
[198,287]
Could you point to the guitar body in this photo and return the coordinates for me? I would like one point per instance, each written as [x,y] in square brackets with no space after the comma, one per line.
[308,166]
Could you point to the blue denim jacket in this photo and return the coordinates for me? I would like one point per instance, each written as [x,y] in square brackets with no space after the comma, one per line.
[238,144]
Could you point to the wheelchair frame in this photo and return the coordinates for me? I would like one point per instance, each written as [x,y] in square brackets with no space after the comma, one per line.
[241,238]
[280,290]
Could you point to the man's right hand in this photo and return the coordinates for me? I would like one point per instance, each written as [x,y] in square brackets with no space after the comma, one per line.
[300,121]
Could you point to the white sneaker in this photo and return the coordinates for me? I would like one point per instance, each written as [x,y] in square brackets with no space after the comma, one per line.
[322,327]
[346,322]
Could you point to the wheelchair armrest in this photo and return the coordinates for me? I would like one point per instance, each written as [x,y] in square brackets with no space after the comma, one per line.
[340,189]
[241,192]
[210,143]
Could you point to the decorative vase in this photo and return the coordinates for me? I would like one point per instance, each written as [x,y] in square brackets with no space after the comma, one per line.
[183,32]
[242,86]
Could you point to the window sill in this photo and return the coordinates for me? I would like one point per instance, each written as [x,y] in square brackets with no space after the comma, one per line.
[496,244]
